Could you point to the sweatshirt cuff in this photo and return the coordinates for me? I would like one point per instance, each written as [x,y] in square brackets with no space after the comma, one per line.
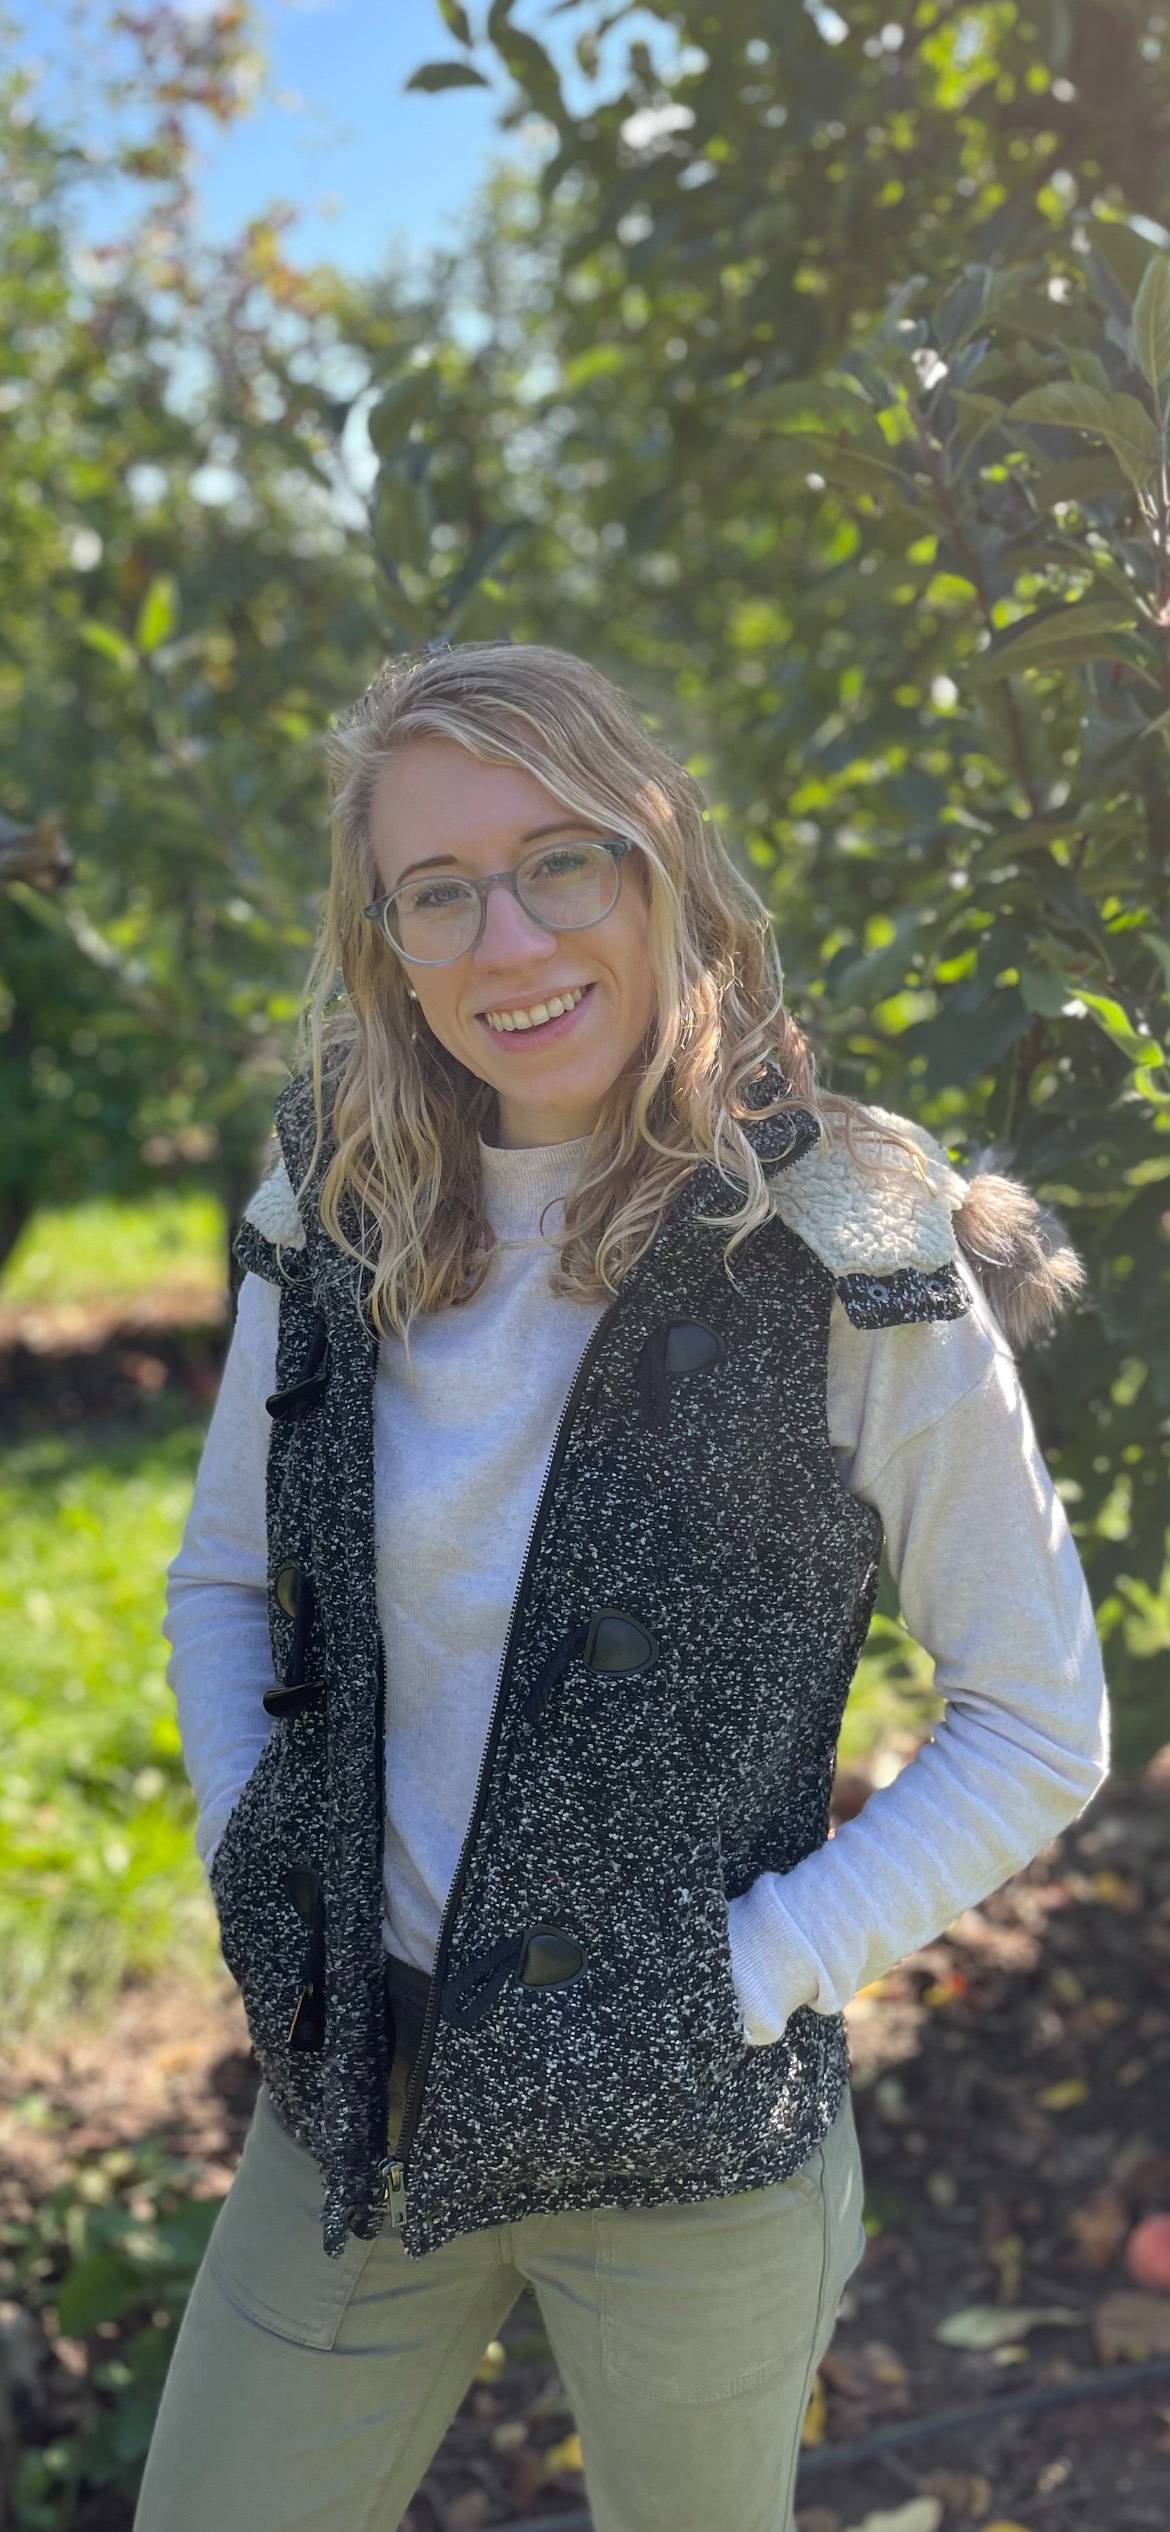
[772,1968]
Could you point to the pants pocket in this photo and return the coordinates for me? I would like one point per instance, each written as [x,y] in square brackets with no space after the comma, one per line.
[705,2299]
[265,2248]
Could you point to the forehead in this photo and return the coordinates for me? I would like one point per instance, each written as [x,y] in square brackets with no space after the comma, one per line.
[434,797]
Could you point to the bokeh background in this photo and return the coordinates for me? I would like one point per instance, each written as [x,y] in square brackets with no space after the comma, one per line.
[809,371]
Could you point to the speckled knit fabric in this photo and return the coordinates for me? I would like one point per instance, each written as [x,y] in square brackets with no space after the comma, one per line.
[695,1596]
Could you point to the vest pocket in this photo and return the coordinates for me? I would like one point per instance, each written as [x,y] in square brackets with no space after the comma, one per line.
[705,1933]
[271,1947]
[240,1825]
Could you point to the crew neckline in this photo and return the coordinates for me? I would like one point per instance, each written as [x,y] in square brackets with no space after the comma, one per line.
[518,1184]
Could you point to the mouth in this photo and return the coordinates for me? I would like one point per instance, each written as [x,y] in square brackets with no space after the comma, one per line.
[539,1032]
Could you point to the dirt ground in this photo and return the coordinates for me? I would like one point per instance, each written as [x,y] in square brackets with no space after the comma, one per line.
[1012,2096]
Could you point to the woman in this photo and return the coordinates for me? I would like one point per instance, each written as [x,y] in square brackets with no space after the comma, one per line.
[533,1547]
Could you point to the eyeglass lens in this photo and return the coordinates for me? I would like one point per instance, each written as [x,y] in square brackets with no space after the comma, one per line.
[565,886]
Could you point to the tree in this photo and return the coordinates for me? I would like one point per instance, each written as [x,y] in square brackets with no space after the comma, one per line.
[188,585]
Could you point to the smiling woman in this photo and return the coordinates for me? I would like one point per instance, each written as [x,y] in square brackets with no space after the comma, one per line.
[542,1939]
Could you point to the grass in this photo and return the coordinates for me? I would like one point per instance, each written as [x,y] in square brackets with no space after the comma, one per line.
[99,1879]
[105,1251]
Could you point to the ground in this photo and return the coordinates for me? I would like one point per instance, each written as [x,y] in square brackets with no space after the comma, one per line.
[1010,2088]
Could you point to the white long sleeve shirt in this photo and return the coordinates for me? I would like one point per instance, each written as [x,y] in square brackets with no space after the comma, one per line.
[927,1422]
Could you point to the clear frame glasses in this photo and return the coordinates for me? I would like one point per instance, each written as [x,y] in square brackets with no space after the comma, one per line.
[435,918]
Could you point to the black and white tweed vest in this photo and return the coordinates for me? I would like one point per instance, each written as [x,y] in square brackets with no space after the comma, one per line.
[694,1597]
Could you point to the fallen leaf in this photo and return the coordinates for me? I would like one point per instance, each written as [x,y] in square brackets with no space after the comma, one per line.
[992,2325]
[813,2429]
[1131,2324]
[509,2435]
[1063,2096]
[1117,1891]
[565,2456]
[871,2374]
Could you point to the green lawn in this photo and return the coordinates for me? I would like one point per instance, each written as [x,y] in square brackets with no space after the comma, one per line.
[98,1874]
[106,1251]
[99,1879]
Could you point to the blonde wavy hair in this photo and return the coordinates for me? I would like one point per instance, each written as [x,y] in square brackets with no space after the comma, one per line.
[405,1114]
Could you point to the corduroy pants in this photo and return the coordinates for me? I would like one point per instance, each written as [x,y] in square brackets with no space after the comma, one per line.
[310,2395]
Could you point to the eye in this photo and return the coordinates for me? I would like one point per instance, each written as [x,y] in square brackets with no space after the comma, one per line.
[430,893]
[564,857]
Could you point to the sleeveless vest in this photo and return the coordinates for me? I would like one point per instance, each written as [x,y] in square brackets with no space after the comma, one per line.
[694,1598]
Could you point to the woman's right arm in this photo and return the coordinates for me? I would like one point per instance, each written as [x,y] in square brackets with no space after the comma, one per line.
[217,1585]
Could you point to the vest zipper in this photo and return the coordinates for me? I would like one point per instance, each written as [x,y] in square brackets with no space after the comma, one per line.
[392,2168]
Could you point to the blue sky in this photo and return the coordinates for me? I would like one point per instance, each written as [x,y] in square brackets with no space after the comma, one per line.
[372,171]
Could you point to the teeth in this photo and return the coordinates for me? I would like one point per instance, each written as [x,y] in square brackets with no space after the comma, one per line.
[539,1012]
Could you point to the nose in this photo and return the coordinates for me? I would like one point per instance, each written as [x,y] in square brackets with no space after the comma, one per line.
[509,934]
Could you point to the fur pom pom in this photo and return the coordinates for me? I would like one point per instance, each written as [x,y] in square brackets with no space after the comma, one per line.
[1018,1250]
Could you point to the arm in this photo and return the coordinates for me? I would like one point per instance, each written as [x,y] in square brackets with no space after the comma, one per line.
[991,1585]
[217,1585]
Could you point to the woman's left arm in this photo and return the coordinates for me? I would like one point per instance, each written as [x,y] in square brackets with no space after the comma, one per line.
[991,1585]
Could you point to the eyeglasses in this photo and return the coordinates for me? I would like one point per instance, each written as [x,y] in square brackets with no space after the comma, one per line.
[564,886]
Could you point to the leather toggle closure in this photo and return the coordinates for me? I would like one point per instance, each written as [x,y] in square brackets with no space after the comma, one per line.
[671,1350]
[294,1590]
[307,2029]
[543,1956]
[610,1640]
[285,1405]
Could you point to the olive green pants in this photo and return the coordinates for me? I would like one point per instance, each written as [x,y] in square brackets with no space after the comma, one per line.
[310,2395]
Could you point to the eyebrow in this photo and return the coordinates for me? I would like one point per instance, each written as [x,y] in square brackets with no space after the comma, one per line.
[438,860]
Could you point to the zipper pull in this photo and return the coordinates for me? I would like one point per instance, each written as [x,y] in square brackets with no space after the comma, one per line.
[392,2175]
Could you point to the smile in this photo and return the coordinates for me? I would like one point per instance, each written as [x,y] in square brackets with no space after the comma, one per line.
[516,1027]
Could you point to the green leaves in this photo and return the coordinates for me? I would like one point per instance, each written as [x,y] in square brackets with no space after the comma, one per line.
[401,403]
[1120,420]
[109,644]
[455,19]
[1055,637]
[434,76]
[155,620]
[158,614]
[1151,322]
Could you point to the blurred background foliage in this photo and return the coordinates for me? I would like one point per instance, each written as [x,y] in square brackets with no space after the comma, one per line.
[821,398]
